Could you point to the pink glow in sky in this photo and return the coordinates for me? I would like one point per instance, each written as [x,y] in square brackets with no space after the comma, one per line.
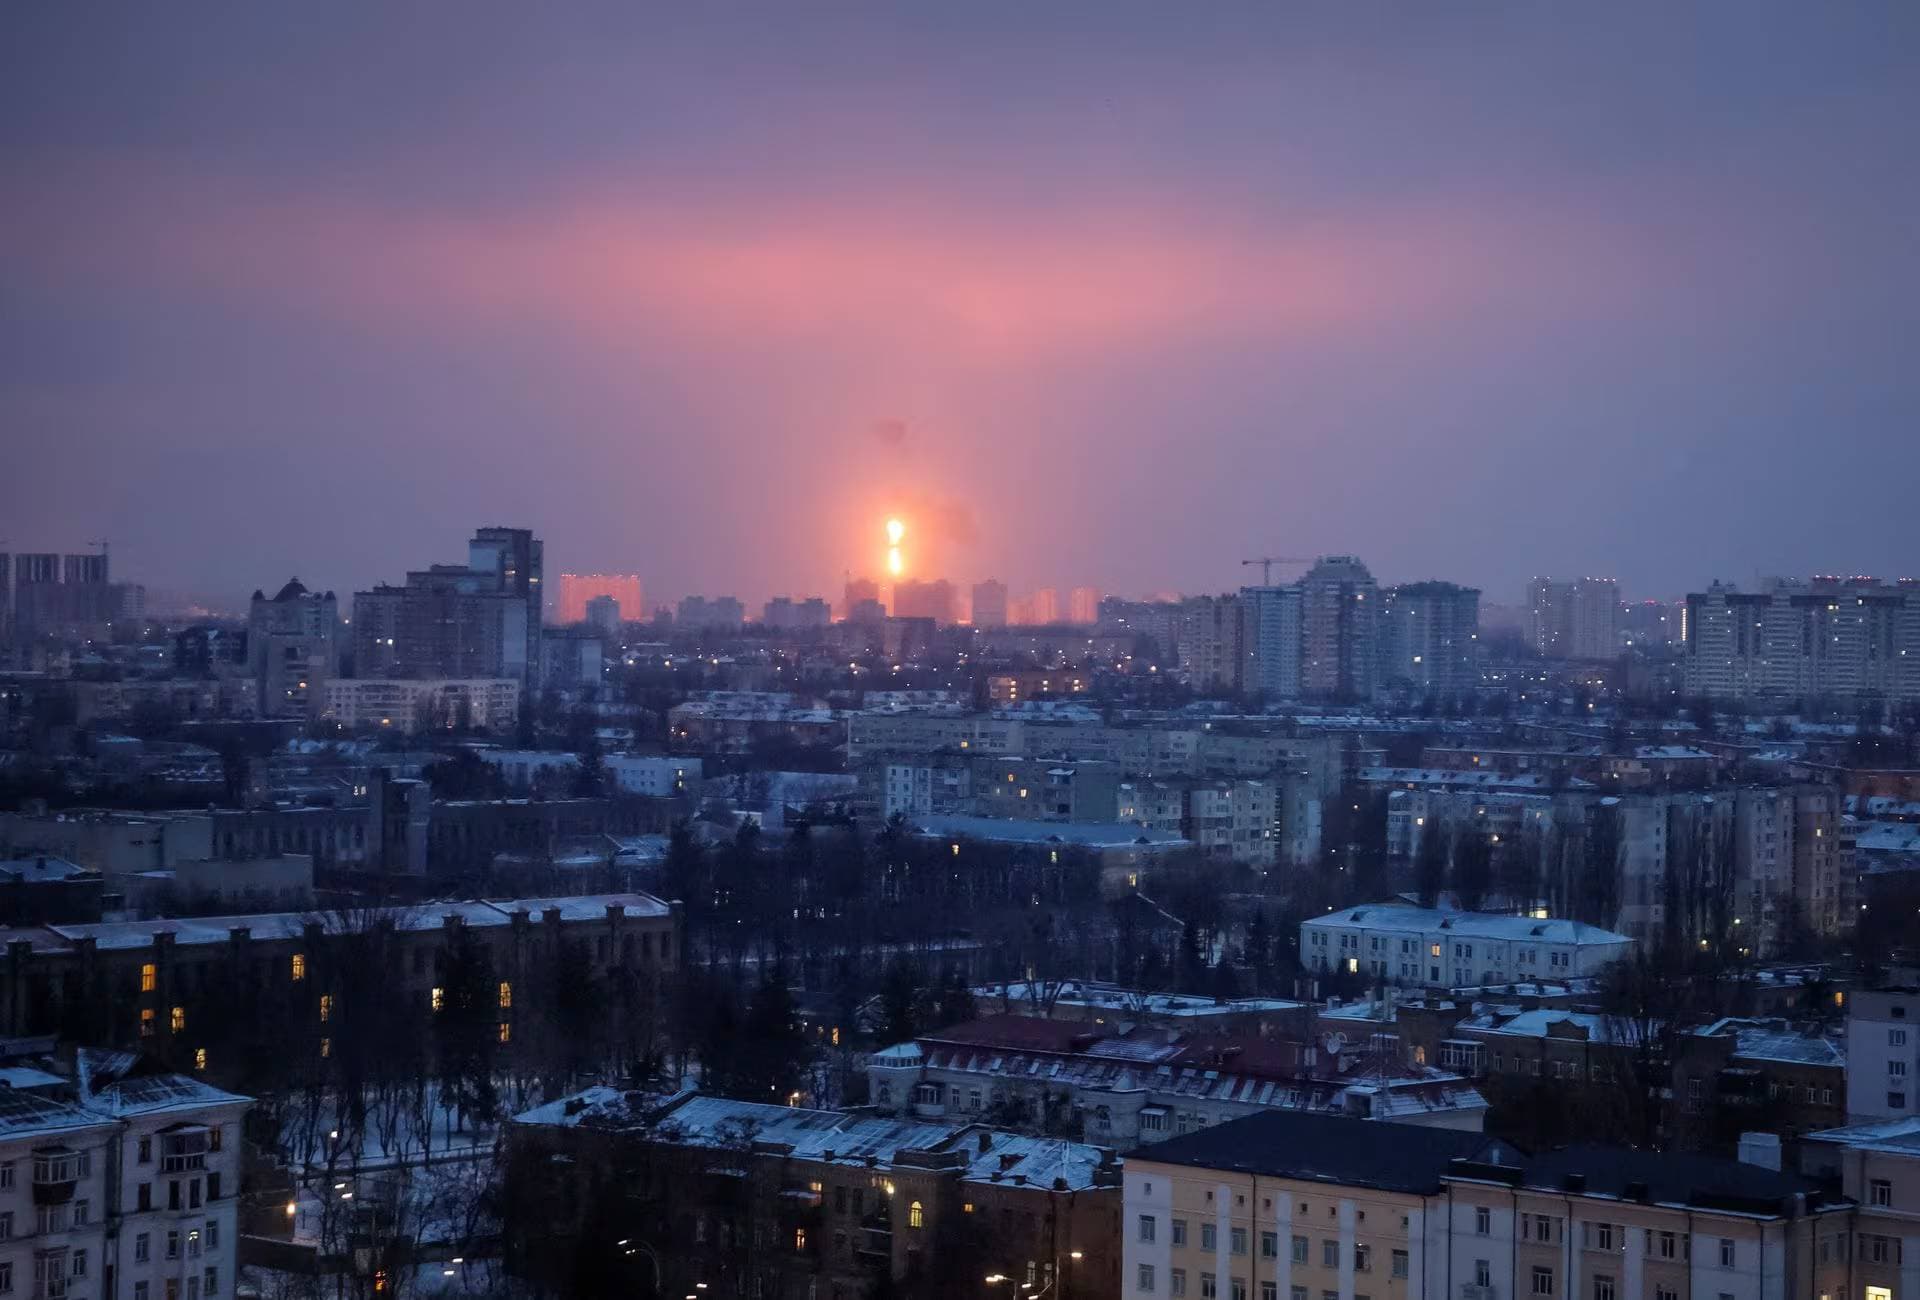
[1474,295]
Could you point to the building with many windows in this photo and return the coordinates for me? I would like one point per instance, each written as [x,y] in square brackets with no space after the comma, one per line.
[117,1181]
[1282,1206]
[1404,944]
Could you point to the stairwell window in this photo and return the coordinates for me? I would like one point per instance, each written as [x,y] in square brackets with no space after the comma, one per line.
[149,977]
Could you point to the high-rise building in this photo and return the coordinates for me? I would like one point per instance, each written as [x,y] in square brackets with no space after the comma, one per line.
[789,615]
[858,592]
[1083,606]
[1271,640]
[1579,619]
[923,598]
[1339,629]
[477,620]
[576,589]
[1209,636]
[711,613]
[603,615]
[990,603]
[513,558]
[78,569]
[1431,632]
[1838,638]
[293,649]
[1043,607]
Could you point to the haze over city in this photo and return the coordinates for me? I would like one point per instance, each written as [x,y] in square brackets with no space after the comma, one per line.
[1095,297]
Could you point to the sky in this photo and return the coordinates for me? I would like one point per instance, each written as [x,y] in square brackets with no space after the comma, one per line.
[1103,293]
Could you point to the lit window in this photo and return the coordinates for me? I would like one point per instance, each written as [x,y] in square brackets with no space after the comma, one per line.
[149,978]
[326,1048]
[438,998]
[178,1020]
[506,1031]
[799,1238]
[506,994]
[326,1007]
[199,1058]
[299,966]
[916,1216]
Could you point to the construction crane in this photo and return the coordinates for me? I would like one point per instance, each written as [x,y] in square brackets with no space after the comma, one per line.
[1266,563]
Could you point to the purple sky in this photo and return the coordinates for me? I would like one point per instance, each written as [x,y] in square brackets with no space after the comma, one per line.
[316,289]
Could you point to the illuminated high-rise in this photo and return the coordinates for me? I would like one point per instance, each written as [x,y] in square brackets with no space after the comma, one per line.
[990,603]
[576,589]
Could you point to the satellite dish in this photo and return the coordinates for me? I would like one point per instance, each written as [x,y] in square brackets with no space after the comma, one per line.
[1334,1042]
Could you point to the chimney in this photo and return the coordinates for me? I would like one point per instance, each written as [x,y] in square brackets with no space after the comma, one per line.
[986,1141]
[1761,1149]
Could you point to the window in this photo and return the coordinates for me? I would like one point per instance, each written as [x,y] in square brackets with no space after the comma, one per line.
[1600,1236]
[77,1264]
[173,1245]
[326,1048]
[140,1291]
[146,1022]
[506,994]
[326,1007]
[1665,1245]
[213,1234]
[1144,1280]
[1300,1249]
[1482,1272]
[1542,1280]
[6,1175]
[506,1031]
[1399,1263]
[1236,1241]
[299,970]
[149,978]
[80,1212]
[1880,1192]
[1208,1236]
[1269,1291]
[1269,1245]
[916,1215]
[1330,1253]
[1726,1252]
[1179,1232]
[1176,1281]
[437,998]
[6,1226]
[1146,1227]
[144,1196]
[6,1278]
[211,1286]
[1239,1289]
[1603,1287]
[1483,1223]
[1895,1037]
[199,1058]
[1209,1287]
[1665,1293]
[799,1238]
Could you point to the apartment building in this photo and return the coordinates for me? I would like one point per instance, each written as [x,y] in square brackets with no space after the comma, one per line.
[411,704]
[740,1198]
[1877,1166]
[1282,1206]
[165,986]
[117,1183]
[1430,637]
[1824,638]
[1883,1054]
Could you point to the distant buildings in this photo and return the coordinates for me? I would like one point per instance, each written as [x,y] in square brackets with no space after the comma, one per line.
[576,589]
[405,705]
[1883,1055]
[1083,606]
[1430,633]
[1574,620]
[1270,640]
[1209,636]
[785,614]
[480,619]
[293,649]
[990,603]
[51,595]
[862,597]
[1824,639]
[1339,629]
[924,598]
[603,615]
[710,614]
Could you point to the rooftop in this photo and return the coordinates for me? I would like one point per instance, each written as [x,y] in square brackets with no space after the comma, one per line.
[1092,835]
[1482,925]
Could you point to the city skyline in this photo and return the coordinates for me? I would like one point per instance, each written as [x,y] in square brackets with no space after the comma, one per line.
[1476,295]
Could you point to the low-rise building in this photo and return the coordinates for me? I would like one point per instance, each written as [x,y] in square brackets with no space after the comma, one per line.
[1883,1054]
[1124,1089]
[1122,852]
[1290,1205]
[727,1197]
[1438,947]
[408,705]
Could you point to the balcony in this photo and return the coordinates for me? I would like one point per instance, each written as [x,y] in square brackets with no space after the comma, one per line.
[1475,1291]
[56,1172]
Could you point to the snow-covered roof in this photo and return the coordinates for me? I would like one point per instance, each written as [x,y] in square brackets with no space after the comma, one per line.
[1093,835]
[1482,925]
